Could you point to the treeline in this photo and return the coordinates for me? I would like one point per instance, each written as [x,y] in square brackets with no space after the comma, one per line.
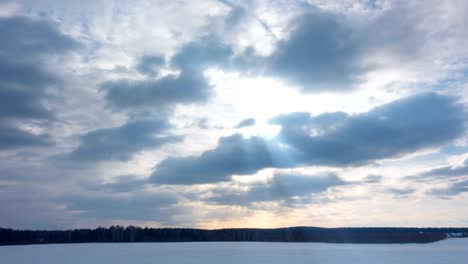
[291,234]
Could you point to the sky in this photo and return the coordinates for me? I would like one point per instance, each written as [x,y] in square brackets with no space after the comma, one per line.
[226,113]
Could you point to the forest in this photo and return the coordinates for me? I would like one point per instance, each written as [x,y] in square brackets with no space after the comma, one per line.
[119,234]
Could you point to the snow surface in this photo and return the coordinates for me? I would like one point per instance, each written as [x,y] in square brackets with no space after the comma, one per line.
[443,252]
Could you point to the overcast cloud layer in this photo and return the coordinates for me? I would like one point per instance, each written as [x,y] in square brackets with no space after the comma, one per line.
[233,113]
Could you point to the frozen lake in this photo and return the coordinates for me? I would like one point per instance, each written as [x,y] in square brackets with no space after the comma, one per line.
[443,252]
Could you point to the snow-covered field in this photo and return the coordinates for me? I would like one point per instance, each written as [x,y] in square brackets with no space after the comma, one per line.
[443,252]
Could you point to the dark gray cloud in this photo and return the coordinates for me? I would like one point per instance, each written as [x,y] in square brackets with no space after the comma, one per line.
[22,91]
[61,205]
[189,86]
[150,65]
[397,128]
[245,123]
[289,188]
[320,54]
[401,192]
[444,173]
[143,206]
[120,143]
[31,39]
[25,49]
[13,137]
[447,171]
[452,190]
[160,93]
[372,178]
[233,155]
[202,53]
[122,184]
[30,205]
[26,166]
[400,127]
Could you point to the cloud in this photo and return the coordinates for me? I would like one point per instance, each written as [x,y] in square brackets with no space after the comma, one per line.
[397,128]
[26,47]
[448,171]
[452,190]
[444,173]
[233,155]
[186,87]
[319,54]
[162,93]
[124,183]
[331,139]
[146,206]
[401,192]
[38,210]
[245,123]
[202,53]
[31,40]
[290,188]
[303,120]
[318,50]
[12,137]
[372,178]
[22,91]
[323,49]
[150,65]
[120,143]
